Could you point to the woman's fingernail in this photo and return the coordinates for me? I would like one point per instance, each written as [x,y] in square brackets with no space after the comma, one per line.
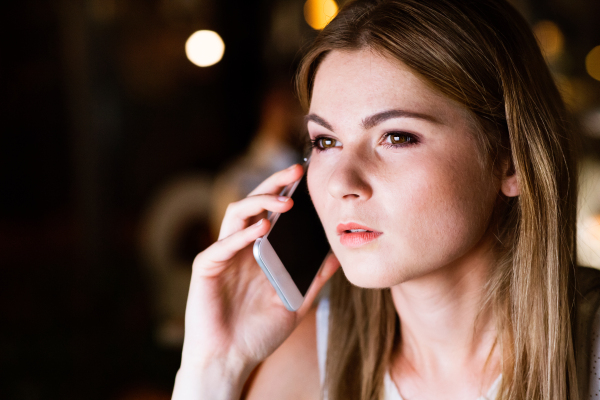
[292,166]
[283,199]
[259,223]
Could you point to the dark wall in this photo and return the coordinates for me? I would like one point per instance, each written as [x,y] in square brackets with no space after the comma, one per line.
[101,107]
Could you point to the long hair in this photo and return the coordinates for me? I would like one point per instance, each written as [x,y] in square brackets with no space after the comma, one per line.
[483,55]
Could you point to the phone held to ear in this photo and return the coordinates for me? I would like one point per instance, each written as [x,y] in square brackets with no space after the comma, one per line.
[294,249]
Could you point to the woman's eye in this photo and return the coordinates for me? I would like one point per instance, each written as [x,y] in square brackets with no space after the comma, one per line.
[397,138]
[325,143]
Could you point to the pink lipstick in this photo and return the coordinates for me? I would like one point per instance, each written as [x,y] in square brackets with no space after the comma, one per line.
[355,235]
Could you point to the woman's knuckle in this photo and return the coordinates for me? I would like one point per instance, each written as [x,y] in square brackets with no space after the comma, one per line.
[232,207]
[198,260]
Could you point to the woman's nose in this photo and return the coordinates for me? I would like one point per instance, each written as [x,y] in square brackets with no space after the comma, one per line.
[347,181]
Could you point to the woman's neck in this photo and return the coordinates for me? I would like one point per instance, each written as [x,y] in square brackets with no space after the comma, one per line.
[445,334]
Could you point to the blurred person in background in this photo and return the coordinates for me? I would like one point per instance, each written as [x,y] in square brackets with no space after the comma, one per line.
[276,146]
[185,214]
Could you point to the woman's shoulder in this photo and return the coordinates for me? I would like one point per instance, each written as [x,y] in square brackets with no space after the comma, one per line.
[292,371]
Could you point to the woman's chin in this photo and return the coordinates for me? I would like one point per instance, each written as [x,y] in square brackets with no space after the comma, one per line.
[373,277]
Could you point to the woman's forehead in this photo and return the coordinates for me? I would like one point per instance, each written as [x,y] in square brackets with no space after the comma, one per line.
[364,82]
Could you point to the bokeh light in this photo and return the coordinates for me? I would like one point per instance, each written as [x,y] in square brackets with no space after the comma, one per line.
[592,63]
[204,48]
[318,13]
[566,89]
[550,38]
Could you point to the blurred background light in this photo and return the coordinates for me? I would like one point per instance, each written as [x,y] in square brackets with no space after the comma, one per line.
[318,13]
[592,63]
[566,89]
[591,123]
[550,38]
[204,48]
[588,218]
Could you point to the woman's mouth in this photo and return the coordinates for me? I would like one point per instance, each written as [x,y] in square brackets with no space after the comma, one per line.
[355,235]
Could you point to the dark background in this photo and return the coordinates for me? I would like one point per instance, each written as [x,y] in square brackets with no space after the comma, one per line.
[100,107]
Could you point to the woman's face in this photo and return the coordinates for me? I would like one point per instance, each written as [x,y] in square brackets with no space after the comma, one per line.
[396,174]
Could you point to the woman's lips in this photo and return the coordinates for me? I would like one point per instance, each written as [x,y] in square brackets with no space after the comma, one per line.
[355,235]
[357,239]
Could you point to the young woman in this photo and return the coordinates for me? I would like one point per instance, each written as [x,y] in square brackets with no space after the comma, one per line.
[439,135]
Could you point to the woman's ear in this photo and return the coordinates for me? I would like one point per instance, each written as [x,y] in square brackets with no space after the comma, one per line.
[510,185]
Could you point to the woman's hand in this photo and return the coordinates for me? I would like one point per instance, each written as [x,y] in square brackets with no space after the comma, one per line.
[234,318]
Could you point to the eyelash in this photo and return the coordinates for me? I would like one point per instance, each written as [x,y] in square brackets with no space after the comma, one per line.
[411,141]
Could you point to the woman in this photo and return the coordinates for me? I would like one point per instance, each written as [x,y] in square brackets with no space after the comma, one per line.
[436,128]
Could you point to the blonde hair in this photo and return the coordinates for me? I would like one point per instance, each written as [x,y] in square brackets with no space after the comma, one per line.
[483,55]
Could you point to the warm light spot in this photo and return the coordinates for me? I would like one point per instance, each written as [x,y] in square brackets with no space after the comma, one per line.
[592,63]
[204,48]
[565,87]
[318,13]
[593,226]
[550,38]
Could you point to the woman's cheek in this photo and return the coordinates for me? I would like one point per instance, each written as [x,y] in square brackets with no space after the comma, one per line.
[316,188]
[444,210]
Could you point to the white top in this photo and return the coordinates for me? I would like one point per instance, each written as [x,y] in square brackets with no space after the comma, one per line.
[390,389]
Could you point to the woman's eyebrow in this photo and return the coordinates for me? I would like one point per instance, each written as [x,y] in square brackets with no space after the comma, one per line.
[375,119]
[315,118]
[378,118]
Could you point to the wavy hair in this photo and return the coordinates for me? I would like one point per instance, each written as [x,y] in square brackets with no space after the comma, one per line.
[483,55]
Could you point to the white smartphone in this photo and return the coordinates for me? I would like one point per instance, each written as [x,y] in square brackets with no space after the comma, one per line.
[294,249]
